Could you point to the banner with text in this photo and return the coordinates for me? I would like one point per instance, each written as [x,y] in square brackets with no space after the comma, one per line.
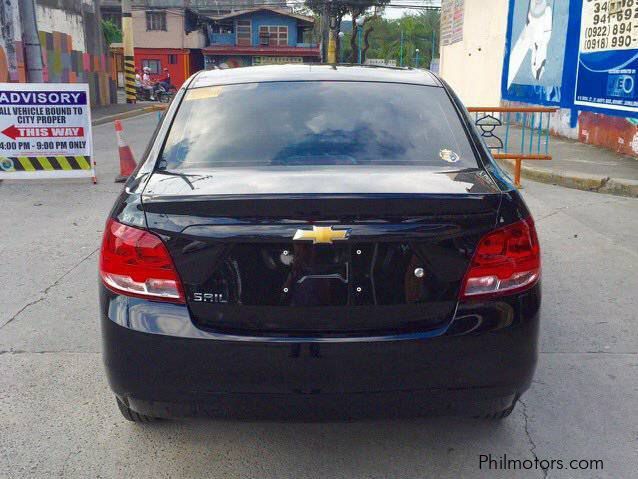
[608,55]
[45,131]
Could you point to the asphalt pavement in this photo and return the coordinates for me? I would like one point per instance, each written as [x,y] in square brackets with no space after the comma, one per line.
[58,417]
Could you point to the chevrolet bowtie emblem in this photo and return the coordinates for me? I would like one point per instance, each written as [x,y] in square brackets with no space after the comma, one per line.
[321,235]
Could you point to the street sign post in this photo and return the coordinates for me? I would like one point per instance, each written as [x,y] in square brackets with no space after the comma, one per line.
[45,131]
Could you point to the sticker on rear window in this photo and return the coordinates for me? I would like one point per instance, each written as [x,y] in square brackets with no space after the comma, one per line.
[203,93]
[449,156]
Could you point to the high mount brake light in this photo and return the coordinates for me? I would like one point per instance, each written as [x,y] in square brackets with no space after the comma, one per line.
[506,261]
[136,263]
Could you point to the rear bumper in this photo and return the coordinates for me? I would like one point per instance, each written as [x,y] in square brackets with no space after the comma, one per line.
[314,407]
[158,362]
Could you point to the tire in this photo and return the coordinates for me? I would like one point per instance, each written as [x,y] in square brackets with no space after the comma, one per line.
[501,414]
[131,415]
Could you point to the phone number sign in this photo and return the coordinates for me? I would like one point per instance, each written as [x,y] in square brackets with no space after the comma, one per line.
[45,130]
[608,55]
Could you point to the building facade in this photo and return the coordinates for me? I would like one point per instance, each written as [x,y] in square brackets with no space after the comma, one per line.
[112,9]
[260,36]
[580,56]
[73,48]
[185,36]
[168,39]
[221,7]
[472,49]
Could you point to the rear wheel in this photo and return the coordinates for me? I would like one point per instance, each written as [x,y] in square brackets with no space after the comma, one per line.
[131,415]
[503,413]
[164,97]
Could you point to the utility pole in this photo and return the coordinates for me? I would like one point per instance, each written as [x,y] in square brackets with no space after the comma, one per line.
[332,47]
[325,31]
[332,41]
[31,39]
[359,22]
[401,51]
[433,42]
[129,52]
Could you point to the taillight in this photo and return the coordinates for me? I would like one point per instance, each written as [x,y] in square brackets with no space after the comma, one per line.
[136,263]
[507,260]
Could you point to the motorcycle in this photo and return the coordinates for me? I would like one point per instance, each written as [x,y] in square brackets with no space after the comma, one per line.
[160,94]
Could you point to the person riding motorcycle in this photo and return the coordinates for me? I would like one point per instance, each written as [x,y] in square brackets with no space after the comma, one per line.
[166,81]
[147,84]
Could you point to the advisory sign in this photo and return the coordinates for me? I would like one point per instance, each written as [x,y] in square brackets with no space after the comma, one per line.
[608,55]
[45,131]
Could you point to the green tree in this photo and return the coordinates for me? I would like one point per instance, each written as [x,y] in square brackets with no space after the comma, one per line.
[338,9]
[420,30]
[112,33]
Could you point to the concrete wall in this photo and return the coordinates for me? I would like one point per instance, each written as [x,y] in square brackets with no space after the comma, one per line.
[209,7]
[173,37]
[11,52]
[616,133]
[73,49]
[473,66]
[493,65]
[590,109]
[57,20]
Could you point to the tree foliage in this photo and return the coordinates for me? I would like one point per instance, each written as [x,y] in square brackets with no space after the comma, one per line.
[338,9]
[112,33]
[420,30]
[381,38]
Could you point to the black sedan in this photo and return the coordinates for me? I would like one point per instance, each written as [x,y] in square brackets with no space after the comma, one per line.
[318,240]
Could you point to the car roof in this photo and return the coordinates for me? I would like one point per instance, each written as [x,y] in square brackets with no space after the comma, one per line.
[314,72]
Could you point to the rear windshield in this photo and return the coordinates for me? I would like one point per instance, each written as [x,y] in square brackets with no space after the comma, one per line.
[317,123]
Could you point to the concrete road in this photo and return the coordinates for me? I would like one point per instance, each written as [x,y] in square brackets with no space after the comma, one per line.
[58,417]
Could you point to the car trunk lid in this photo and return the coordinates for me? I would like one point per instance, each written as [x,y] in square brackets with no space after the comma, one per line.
[398,270]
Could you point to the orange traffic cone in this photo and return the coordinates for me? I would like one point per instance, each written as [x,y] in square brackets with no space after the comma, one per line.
[127,162]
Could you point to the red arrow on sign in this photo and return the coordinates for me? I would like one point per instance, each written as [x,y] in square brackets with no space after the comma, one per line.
[14,132]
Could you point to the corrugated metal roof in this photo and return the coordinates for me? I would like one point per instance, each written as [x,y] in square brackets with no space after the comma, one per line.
[279,11]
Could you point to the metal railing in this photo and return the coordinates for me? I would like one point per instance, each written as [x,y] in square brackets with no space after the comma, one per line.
[515,133]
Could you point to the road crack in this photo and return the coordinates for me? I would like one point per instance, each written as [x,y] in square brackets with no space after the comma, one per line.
[50,351]
[46,290]
[532,448]
[571,207]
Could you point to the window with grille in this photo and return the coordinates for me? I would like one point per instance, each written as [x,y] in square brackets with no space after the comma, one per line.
[273,35]
[156,21]
[243,32]
[154,66]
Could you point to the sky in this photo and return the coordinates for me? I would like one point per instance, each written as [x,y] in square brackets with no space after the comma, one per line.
[392,13]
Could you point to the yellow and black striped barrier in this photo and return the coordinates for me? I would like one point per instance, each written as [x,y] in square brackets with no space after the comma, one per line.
[35,167]
[129,77]
[44,163]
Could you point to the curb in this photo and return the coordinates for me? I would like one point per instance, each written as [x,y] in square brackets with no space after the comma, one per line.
[579,181]
[128,114]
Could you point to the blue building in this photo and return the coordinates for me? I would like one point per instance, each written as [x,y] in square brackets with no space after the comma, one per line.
[260,36]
